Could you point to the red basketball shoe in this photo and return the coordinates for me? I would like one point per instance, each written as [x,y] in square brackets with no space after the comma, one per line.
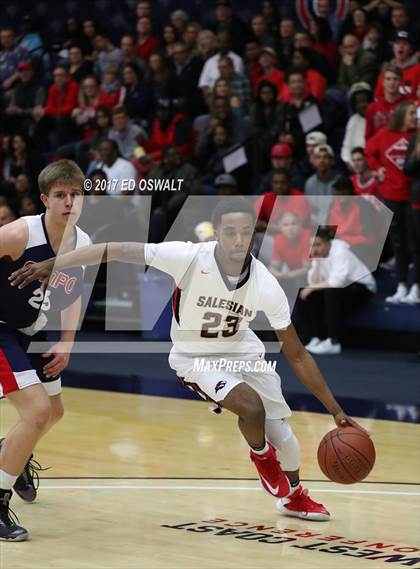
[272,477]
[300,505]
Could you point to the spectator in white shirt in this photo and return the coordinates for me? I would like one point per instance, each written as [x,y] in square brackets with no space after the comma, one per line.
[360,97]
[338,282]
[211,72]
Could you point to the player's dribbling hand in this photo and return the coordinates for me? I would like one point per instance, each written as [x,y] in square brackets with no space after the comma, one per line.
[29,273]
[343,420]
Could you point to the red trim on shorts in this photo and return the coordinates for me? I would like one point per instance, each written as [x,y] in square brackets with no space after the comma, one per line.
[196,388]
[7,377]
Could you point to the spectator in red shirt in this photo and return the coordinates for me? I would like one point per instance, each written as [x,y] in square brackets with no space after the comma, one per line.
[55,116]
[269,70]
[168,129]
[62,95]
[379,112]
[386,153]
[315,83]
[291,200]
[363,180]
[90,98]
[406,60]
[324,44]
[290,258]
[353,218]
[146,42]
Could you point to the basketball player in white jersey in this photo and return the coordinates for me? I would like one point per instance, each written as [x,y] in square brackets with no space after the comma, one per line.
[219,288]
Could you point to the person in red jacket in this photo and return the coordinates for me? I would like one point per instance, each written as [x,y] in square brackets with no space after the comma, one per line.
[55,116]
[315,83]
[62,95]
[170,128]
[90,98]
[290,258]
[291,200]
[146,42]
[269,70]
[363,180]
[386,154]
[353,218]
[379,112]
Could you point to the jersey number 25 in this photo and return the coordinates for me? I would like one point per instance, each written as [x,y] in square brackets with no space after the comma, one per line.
[40,300]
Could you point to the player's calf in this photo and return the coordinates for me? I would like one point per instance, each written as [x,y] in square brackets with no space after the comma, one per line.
[247,404]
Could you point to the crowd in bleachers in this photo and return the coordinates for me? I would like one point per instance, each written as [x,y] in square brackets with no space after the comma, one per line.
[324,105]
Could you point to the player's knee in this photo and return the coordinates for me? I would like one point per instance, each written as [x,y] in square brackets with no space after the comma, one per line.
[40,415]
[252,410]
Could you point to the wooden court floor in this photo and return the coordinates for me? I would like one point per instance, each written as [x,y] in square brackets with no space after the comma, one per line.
[148,482]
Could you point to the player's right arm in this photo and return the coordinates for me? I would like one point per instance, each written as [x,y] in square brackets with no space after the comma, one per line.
[13,239]
[127,252]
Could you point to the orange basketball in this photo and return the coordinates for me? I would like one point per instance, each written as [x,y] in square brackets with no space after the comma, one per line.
[346,455]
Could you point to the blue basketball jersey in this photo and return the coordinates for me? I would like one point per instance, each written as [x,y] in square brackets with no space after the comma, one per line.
[21,308]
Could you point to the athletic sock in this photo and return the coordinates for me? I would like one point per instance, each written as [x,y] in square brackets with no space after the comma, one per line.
[294,485]
[6,480]
[261,450]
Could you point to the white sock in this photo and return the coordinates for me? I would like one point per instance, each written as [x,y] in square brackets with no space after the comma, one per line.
[261,451]
[6,480]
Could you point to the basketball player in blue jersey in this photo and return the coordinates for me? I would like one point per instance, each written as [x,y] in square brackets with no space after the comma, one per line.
[220,288]
[31,382]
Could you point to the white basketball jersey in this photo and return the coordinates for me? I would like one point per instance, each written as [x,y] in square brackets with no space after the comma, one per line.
[211,316]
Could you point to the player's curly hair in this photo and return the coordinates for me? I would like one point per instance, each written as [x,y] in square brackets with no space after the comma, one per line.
[232,205]
[326,232]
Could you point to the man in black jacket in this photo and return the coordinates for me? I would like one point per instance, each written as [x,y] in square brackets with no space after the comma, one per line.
[185,70]
[26,95]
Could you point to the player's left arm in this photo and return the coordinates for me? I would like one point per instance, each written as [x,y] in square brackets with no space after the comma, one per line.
[61,350]
[307,371]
